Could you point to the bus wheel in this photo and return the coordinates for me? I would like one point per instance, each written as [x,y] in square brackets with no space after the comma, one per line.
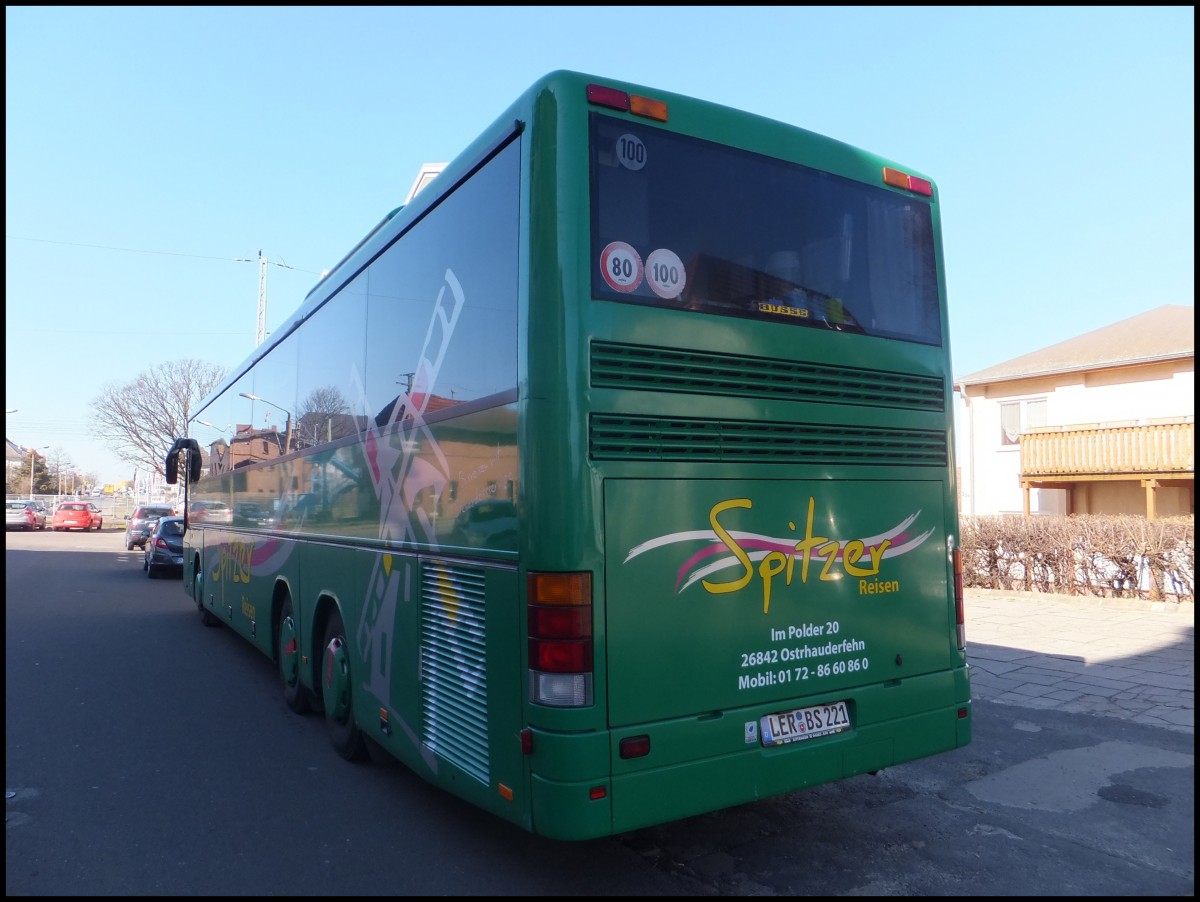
[295,696]
[336,693]
[206,616]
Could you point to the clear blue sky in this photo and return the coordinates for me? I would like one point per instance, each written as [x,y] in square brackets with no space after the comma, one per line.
[148,148]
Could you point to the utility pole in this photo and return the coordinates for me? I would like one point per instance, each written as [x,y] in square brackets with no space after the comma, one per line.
[260,331]
[260,334]
[33,453]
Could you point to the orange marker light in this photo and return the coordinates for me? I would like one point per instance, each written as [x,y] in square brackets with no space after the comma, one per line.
[651,109]
[898,179]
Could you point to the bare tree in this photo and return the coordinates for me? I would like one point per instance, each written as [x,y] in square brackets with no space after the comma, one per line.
[61,468]
[324,401]
[141,419]
[323,416]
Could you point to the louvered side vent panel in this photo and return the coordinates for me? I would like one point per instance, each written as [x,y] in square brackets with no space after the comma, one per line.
[614,437]
[454,666]
[639,368]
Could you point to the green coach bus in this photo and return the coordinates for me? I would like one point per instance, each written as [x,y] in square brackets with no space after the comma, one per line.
[610,480]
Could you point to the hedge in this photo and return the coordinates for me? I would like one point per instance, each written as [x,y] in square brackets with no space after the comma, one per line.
[1083,554]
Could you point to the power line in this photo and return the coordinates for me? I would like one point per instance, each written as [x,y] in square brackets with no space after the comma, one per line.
[134,250]
[261,324]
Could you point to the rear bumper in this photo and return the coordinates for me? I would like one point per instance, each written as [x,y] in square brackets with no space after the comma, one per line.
[648,797]
[702,764]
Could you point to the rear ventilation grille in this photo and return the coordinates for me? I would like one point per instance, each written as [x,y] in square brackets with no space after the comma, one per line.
[615,437]
[640,368]
[454,666]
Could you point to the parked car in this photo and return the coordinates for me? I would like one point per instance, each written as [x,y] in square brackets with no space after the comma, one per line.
[24,515]
[210,512]
[297,510]
[141,523]
[164,548]
[487,524]
[251,513]
[77,515]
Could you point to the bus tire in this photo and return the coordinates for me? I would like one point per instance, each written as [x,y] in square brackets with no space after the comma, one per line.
[287,648]
[206,616]
[337,694]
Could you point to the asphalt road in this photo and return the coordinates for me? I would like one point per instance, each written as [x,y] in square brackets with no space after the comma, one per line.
[147,755]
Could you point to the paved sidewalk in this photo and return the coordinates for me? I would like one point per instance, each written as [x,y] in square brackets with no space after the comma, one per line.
[1115,658]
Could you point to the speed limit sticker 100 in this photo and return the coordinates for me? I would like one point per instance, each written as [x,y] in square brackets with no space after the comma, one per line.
[665,273]
[622,267]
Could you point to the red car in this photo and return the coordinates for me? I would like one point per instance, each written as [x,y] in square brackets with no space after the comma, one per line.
[77,515]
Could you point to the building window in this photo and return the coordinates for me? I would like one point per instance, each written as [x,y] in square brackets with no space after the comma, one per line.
[1020,416]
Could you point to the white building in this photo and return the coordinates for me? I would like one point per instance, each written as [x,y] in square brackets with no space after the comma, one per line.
[1103,423]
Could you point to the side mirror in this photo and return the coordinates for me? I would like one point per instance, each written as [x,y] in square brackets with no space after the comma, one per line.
[191,450]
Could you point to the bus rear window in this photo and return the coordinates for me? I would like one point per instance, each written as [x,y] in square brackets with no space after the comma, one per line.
[688,224]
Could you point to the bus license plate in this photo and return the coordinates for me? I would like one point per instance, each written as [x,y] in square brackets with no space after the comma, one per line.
[804,723]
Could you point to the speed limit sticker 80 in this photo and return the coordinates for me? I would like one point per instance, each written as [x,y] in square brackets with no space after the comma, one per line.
[622,267]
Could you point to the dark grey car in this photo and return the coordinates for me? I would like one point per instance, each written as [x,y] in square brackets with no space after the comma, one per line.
[164,548]
[141,524]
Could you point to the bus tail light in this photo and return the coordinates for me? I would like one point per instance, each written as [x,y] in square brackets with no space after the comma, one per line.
[646,107]
[635,746]
[560,639]
[959,613]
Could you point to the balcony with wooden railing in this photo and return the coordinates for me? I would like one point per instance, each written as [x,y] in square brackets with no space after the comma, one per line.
[1161,453]
[1093,452]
